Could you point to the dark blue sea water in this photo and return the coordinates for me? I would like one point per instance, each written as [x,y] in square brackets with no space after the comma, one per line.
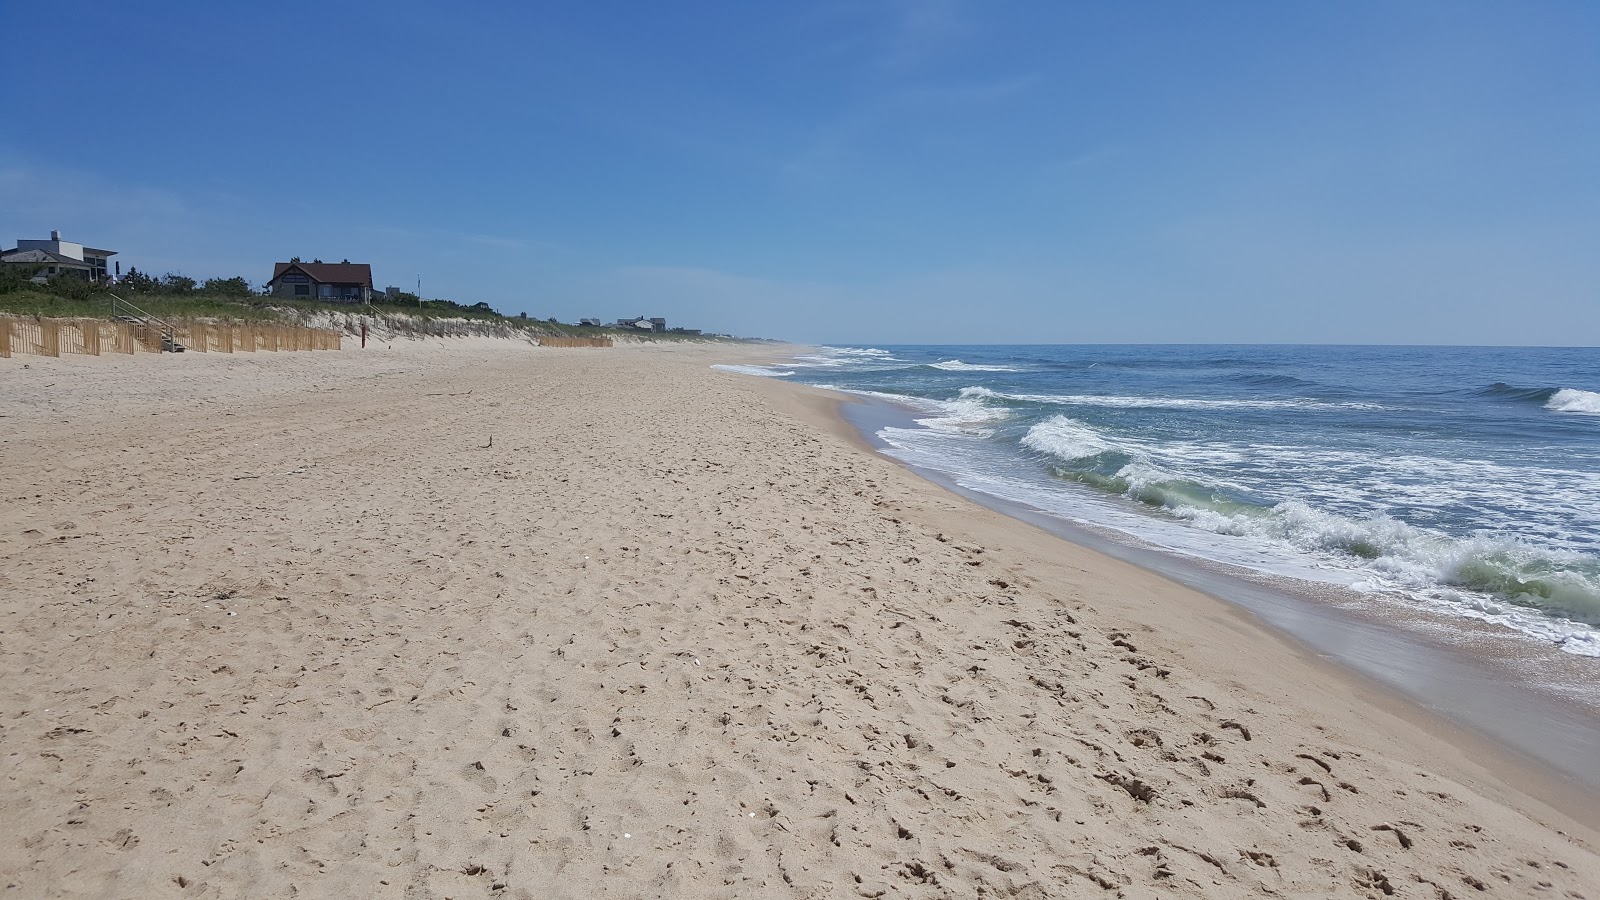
[1465,479]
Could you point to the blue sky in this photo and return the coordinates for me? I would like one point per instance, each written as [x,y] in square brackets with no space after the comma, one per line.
[868,171]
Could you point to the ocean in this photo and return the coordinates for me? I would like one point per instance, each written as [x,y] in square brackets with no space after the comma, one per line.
[1462,479]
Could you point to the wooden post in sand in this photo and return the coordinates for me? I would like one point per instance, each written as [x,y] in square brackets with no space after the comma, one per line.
[225,338]
[90,329]
[5,338]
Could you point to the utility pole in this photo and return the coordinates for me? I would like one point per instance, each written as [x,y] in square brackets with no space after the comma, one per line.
[419,290]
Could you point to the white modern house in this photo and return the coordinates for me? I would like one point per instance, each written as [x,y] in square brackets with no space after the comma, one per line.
[57,257]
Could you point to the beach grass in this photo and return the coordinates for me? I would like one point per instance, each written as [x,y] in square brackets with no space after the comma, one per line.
[264,309]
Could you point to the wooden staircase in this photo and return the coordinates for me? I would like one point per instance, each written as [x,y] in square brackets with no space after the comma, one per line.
[123,311]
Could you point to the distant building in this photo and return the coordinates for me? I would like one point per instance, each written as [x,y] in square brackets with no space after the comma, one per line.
[58,257]
[344,282]
[640,323]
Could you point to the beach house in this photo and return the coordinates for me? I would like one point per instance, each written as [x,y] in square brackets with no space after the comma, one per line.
[641,323]
[57,257]
[345,282]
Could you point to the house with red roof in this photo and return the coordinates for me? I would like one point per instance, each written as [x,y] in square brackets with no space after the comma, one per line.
[345,282]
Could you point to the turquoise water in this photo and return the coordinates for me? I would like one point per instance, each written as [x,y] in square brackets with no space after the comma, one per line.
[1466,479]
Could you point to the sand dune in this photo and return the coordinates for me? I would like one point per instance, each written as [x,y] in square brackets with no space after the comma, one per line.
[510,622]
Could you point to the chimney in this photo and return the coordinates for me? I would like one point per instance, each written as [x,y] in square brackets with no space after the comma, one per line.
[55,235]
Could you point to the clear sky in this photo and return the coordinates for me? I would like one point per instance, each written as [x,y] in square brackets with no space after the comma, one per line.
[889,171]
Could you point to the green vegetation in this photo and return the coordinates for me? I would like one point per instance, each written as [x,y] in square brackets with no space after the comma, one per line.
[177,297]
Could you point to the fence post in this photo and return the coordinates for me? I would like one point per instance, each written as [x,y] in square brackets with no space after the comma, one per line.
[5,337]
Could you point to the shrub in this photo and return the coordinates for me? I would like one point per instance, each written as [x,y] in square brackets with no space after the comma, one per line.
[236,286]
[70,286]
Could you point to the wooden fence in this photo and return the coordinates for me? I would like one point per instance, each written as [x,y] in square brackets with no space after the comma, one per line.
[574,342]
[54,337]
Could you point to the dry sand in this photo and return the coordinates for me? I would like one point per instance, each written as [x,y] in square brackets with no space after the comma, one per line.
[294,626]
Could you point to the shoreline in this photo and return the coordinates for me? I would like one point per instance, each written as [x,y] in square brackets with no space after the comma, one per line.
[521,622]
[1447,665]
[1567,777]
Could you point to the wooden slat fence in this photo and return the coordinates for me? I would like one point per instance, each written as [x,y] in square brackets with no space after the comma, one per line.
[574,342]
[41,336]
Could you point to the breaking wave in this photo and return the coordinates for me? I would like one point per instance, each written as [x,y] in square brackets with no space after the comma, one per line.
[1163,402]
[1486,575]
[1570,400]
[1574,401]
[956,365]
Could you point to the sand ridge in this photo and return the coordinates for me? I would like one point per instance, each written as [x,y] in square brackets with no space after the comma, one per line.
[509,622]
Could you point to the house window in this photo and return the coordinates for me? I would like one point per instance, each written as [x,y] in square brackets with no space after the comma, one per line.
[302,290]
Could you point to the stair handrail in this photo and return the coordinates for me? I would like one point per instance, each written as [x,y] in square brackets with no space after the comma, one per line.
[168,330]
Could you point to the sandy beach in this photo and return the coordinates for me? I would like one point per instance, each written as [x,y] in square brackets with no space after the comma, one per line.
[475,619]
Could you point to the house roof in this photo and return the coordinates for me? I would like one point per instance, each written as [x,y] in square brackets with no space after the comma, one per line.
[41,257]
[328,273]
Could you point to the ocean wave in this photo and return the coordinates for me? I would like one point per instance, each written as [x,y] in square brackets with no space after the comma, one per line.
[841,357]
[1167,402]
[1502,572]
[1066,439]
[764,371]
[962,415]
[860,351]
[1573,400]
[1269,380]
[956,365]
[1511,393]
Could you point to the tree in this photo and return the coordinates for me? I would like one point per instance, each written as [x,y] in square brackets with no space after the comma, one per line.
[139,283]
[173,283]
[236,286]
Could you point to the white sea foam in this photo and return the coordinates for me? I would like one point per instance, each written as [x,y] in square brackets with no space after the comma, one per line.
[1165,402]
[1066,439]
[968,416]
[956,365]
[765,371]
[1573,400]
[860,351]
[841,357]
